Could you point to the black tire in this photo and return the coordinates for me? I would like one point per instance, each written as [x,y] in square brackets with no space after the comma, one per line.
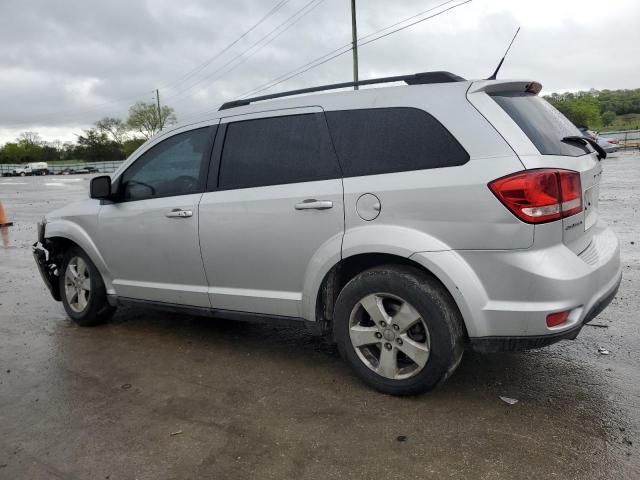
[437,312]
[97,310]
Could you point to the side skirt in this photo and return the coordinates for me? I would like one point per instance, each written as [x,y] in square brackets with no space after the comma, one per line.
[274,320]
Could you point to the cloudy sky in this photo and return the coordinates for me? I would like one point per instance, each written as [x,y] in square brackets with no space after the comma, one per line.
[66,63]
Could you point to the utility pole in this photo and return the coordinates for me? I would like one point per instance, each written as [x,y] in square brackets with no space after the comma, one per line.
[354,40]
[159,112]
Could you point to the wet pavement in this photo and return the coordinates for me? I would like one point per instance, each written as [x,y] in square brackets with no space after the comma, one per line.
[159,396]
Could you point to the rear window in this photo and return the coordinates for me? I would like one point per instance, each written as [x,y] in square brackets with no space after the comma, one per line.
[542,123]
[385,140]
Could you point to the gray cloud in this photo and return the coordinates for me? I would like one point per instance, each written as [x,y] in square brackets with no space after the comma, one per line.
[67,63]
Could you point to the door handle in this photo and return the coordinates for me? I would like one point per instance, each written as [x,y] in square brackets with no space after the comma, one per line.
[179,213]
[313,204]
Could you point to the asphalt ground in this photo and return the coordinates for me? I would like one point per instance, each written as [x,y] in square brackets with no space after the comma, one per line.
[162,396]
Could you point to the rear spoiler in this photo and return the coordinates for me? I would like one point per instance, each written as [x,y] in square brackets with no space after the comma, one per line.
[493,86]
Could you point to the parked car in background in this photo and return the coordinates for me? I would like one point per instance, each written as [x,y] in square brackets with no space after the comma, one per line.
[609,145]
[33,168]
[78,171]
[403,222]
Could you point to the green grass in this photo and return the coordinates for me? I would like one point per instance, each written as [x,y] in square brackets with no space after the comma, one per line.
[630,121]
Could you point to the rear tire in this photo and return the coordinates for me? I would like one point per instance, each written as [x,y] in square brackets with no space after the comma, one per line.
[82,290]
[399,329]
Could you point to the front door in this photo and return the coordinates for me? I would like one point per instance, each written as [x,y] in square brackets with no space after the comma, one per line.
[275,212]
[149,235]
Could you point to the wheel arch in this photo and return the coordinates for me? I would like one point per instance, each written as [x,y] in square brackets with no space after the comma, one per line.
[60,235]
[347,268]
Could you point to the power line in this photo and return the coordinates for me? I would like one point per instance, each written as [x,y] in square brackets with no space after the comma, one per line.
[347,47]
[339,52]
[208,62]
[288,23]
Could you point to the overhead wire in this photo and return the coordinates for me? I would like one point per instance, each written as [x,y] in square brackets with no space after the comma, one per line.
[287,24]
[341,51]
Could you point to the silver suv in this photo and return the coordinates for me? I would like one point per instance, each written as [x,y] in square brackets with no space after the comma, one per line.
[406,222]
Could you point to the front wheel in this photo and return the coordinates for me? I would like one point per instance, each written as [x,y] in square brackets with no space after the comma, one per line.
[83,292]
[399,329]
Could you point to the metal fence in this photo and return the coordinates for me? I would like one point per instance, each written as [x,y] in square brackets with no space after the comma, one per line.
[57,168]
[628,139]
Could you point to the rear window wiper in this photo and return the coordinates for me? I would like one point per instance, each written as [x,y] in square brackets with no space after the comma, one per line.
[587,141]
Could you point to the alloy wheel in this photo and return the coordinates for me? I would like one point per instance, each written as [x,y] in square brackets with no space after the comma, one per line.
[389,336]
[77,284]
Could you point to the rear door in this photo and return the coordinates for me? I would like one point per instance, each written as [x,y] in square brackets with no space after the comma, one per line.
[274,208]
[535,129]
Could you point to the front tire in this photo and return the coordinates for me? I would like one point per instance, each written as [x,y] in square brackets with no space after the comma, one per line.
[82,290]
[399,329]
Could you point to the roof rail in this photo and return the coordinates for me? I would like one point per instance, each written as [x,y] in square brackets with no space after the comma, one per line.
[414,79]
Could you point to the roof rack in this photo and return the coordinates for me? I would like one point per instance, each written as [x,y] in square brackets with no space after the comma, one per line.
[414,79]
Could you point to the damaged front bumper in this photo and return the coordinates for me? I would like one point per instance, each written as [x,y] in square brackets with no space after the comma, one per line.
[48,269]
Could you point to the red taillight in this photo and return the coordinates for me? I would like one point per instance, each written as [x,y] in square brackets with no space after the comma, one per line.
[538,196]
[555,319]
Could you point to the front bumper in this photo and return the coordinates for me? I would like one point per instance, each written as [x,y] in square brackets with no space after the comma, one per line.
[48,270]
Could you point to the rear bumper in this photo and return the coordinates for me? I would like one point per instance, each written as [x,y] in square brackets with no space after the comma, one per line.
[505,296]
[515,344]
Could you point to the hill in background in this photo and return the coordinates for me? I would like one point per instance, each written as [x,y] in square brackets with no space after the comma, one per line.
[600,109]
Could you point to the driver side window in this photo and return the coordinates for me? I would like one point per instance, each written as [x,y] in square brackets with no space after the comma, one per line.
[174,166]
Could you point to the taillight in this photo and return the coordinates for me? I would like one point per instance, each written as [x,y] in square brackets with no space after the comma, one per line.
[539,196]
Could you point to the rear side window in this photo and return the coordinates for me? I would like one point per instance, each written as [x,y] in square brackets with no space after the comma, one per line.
[386,140]
[277,150]
[542,123]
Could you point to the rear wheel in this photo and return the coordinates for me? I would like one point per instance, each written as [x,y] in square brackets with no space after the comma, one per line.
[83,292]
[399,329]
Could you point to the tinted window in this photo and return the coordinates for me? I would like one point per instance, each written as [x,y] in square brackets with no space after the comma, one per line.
[388,140]
[542,123]
[278,150]
[172,167]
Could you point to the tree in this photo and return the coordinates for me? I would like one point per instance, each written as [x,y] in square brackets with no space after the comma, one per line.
[582,110]
[144,118]
[608,118]
[95,146]
[131,146]
[113,127]
[29,139]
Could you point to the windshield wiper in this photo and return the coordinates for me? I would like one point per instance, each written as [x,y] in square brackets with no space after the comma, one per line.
[587,141]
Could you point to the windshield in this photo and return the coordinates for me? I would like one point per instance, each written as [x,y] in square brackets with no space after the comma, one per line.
[542,123]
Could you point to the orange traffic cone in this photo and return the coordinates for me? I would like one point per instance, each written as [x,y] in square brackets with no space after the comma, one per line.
[4,222]
[4,226]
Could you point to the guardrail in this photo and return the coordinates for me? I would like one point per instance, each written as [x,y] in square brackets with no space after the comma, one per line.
[55,168]
[628,139]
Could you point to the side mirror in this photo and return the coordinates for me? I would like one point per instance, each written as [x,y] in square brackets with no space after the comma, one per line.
[100,187]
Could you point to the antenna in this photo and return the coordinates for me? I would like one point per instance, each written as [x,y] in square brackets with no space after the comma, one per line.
[495,74]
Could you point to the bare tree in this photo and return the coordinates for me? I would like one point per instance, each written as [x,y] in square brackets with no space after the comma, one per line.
[114,128]
[146,119]
[29,139]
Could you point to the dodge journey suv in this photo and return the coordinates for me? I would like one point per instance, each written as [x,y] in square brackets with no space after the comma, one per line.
[407,222]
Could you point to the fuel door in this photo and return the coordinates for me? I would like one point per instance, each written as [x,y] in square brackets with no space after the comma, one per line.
[368,207]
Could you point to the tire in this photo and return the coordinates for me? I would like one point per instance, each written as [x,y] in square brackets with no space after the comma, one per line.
[422,334]
[87,307]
